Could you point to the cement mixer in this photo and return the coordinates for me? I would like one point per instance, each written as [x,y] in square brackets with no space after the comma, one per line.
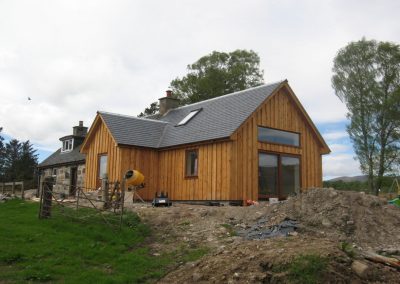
[134,180]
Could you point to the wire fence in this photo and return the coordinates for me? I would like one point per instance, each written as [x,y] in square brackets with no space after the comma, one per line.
[88,205]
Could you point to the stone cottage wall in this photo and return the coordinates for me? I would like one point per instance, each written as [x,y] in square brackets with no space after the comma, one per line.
[63,178]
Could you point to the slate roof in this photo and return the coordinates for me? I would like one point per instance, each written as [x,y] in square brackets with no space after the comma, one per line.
[219,118]
[129,130]
[58,158]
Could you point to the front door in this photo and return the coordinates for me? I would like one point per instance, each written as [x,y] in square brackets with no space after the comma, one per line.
[278,175]
[72,185]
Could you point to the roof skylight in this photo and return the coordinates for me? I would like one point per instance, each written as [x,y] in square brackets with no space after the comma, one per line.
[188,117]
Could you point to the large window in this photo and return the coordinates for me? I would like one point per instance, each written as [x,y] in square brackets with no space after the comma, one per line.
[191,168]
[278,175]
[278,136]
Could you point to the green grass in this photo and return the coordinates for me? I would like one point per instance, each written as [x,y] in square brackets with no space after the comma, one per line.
[231,231]
[59,250]
[304,269]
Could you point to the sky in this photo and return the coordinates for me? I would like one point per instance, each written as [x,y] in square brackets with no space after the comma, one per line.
[73,58]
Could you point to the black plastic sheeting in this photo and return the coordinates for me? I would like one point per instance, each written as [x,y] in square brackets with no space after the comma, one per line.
[260,232]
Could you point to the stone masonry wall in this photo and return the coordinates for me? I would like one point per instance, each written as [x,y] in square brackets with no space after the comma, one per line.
[63,178]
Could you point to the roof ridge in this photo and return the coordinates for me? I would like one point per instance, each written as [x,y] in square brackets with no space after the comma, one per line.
[231,94]
[130,116]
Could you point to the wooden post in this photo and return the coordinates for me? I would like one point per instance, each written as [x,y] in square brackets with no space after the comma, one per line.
[13,188]
[22,190]
[78,194]
[104,188]
[47,195]
[2,188]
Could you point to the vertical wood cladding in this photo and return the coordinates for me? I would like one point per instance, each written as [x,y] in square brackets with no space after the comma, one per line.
[101,142]
[227,170]
[280,112]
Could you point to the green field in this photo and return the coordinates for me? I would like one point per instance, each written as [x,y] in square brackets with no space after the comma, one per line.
[59,250]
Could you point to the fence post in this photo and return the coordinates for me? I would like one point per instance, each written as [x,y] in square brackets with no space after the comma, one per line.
[22,190]
[13,188]
[104,187]
[47,194]
[2,188]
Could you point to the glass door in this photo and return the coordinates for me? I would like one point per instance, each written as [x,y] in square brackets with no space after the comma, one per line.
[278,176]
[290,177]
[267,176]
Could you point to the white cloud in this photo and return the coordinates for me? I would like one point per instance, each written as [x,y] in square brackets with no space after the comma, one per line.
[75,57]
[340,148]
[335,165]
[335,135]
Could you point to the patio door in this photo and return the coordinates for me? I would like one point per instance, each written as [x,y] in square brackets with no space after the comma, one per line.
[278,175]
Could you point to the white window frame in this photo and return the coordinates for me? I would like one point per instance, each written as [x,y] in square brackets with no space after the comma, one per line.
[67,145]
[188,117]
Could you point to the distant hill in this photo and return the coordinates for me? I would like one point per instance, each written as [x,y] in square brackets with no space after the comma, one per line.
[350,179]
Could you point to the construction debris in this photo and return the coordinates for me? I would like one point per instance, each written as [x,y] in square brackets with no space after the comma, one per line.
[260,232]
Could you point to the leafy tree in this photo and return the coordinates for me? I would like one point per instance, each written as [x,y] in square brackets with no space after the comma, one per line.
[367,79]
[217,74]
[214,75]
[152,109]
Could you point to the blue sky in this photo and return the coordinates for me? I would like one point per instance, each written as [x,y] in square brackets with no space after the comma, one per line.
[73,57]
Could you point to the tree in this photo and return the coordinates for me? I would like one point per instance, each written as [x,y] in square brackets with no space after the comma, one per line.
[367,79]
[27,161]
[18,160]
[214,75]
[12,157]
[152,109]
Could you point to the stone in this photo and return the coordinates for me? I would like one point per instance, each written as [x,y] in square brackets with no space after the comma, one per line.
[360,268]
[197,277]
[326,223]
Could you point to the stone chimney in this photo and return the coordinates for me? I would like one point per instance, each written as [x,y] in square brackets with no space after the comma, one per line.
[167,102]
[80,130]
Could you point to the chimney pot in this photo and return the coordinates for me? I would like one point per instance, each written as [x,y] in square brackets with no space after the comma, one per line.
[169,93]
[80,123]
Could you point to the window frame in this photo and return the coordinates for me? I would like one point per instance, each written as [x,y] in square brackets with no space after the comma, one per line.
[98,165]
[279,155]
[70,145]
[275,143]
[196,175]
[195,111]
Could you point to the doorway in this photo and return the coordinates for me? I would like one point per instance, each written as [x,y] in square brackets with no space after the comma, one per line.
[73,181]
[278,175]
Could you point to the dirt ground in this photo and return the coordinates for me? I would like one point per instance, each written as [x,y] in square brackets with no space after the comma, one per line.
[337,226]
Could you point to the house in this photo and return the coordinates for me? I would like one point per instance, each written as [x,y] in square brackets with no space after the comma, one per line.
[67,164]
[253,144]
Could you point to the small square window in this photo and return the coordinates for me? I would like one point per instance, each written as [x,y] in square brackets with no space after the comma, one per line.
[191,163]
[68,145]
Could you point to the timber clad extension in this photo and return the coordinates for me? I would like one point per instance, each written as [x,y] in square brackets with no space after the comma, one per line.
[224,135]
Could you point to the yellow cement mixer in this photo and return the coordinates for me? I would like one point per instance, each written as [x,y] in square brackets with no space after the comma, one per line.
[134,178]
